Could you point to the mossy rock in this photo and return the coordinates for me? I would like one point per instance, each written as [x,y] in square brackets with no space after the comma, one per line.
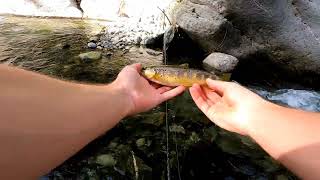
[177,129]
[90,56]
[106,160]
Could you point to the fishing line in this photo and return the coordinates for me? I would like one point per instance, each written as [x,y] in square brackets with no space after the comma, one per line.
[167,124]
[177,152]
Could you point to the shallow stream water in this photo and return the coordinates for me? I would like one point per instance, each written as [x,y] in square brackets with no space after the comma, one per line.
[136,147]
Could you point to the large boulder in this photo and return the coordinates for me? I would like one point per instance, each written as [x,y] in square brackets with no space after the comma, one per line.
[285,33]
[57,8]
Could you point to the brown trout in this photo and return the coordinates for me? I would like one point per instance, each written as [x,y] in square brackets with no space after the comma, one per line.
[175,76]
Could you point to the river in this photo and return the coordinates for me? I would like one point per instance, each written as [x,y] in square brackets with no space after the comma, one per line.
[136,147]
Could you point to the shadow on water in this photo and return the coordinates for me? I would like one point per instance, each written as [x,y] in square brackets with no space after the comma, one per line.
[136,147]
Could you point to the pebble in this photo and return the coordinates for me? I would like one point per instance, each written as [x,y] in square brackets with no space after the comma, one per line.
[92,45]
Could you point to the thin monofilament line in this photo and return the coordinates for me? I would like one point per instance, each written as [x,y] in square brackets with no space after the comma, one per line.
[167,135]
[177,152]
[167,124]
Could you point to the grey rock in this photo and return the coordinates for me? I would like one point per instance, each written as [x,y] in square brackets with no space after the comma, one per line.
[92,45]
[219,61]
[206,26]
[286,32]
[90,56]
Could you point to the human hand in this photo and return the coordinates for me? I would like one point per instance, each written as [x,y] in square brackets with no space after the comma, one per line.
[142,95]
[228,105]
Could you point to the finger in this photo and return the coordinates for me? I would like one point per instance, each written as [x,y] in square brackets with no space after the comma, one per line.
[217,86]
[214,97]
[197,96]
[137,66]
[163,89]
[155,85]
[204,95]
[172,93]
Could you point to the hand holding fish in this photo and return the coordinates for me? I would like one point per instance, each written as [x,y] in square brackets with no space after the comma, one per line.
[227,104]
[142,94]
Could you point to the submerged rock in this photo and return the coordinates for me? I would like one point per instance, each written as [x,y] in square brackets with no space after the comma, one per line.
[90,56]
[177,129]
[106,160]
[220,62]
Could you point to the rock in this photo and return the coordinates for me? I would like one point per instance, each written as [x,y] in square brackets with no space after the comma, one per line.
[218,61]
[99,47]
[211,133]
[156,119]
[94,39]
[92,45]
[109,54]
[138,40]
[177,129]
[283,33]
[153,52]
[90,56]
[204,25]
[141,142]
[194,138]
[106,160]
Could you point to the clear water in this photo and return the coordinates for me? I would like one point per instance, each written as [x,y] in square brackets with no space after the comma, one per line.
[136,147]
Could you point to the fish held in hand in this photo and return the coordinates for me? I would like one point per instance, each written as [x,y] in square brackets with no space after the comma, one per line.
[175,76]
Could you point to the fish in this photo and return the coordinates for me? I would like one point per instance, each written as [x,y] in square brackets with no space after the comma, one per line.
[175,76]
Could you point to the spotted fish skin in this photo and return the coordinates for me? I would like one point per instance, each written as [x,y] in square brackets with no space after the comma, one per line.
[175,76]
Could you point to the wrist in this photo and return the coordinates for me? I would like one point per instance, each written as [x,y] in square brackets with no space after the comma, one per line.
[125,96]
[264,114]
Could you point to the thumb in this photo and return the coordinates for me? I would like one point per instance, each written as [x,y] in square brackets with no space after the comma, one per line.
[218,86]
[137,66]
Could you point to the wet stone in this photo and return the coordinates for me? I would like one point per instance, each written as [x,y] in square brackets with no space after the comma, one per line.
[177,129]
[106,160]
[90,56]
[92,45]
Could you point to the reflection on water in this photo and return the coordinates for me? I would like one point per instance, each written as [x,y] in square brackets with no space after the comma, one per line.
[136,147]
